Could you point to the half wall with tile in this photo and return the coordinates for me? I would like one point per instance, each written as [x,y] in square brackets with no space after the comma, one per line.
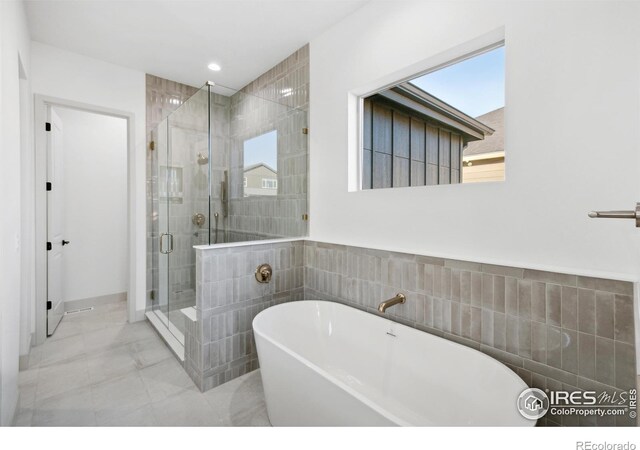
[219,345]
[556,330]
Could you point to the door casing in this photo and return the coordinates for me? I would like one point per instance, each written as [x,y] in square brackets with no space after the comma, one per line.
[42,102]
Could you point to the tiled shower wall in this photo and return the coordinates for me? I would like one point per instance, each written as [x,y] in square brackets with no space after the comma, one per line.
[163,97]
[219,346]
[277,100]
[557,331]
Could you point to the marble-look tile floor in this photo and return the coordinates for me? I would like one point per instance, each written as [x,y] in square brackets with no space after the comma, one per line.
[99,370]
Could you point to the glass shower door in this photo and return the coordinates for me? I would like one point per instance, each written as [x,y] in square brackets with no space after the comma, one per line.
[161,306]
[183,154]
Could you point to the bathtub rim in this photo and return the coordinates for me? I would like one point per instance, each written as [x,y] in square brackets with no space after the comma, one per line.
[346,388]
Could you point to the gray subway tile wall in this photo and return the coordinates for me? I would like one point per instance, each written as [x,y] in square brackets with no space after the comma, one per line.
[219,345]
[544,331]
[277,100]
[552,329]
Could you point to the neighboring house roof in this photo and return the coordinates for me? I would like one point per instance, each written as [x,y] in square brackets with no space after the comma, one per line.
[411,96]
[255,166]
[493,143]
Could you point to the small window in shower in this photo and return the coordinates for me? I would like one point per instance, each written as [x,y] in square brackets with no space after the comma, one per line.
[261,165]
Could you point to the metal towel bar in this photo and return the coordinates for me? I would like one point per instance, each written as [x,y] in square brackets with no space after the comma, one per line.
[618,214]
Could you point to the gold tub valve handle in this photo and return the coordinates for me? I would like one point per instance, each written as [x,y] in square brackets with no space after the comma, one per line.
[264,273]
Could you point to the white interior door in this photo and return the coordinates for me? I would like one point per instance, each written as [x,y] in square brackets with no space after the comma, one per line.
[55,225]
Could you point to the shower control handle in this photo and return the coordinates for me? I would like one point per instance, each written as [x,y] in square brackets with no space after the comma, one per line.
[65,242]
[264,273]
[198,219]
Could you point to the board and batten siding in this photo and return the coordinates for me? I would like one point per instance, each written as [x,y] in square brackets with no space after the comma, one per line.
[402,149]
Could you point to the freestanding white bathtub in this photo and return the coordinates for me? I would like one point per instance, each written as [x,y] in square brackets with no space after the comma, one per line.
[326,364]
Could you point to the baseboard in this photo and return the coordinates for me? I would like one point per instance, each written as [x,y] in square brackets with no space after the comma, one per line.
[23,361]
[140,315]
[101,300]
[9,419]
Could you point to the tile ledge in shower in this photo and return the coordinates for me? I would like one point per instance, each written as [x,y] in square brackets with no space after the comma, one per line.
[190,312]
[248,243]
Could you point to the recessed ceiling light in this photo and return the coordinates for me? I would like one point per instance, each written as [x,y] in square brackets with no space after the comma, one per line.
[213,66]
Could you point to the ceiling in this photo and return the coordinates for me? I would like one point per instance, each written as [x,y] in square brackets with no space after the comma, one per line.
[178,39]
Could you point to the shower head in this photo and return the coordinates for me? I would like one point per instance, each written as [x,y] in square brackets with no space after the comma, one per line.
[202,159]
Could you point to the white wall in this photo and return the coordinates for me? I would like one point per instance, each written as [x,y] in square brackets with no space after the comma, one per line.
[27,216]
[94,204]
[61,74]
[572,135]
[14,45]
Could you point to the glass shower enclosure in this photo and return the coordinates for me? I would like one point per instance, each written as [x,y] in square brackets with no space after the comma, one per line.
[227,166]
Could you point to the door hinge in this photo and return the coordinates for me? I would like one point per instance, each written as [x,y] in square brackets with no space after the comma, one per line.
[305,131]
[49,246]
[49,305]
[47,126]
[152,295]
[152,145]
[305,217]
[48,186]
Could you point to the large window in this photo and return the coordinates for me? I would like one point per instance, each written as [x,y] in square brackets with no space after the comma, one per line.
[443,127]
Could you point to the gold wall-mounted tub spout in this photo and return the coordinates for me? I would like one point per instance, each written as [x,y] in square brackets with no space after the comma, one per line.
[399,298]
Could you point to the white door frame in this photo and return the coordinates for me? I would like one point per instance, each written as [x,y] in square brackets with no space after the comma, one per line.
[42,102]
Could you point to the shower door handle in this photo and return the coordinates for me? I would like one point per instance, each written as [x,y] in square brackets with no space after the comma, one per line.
[161,242]
[170,249]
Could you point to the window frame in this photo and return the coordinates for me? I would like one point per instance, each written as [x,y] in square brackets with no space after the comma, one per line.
[355,104]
